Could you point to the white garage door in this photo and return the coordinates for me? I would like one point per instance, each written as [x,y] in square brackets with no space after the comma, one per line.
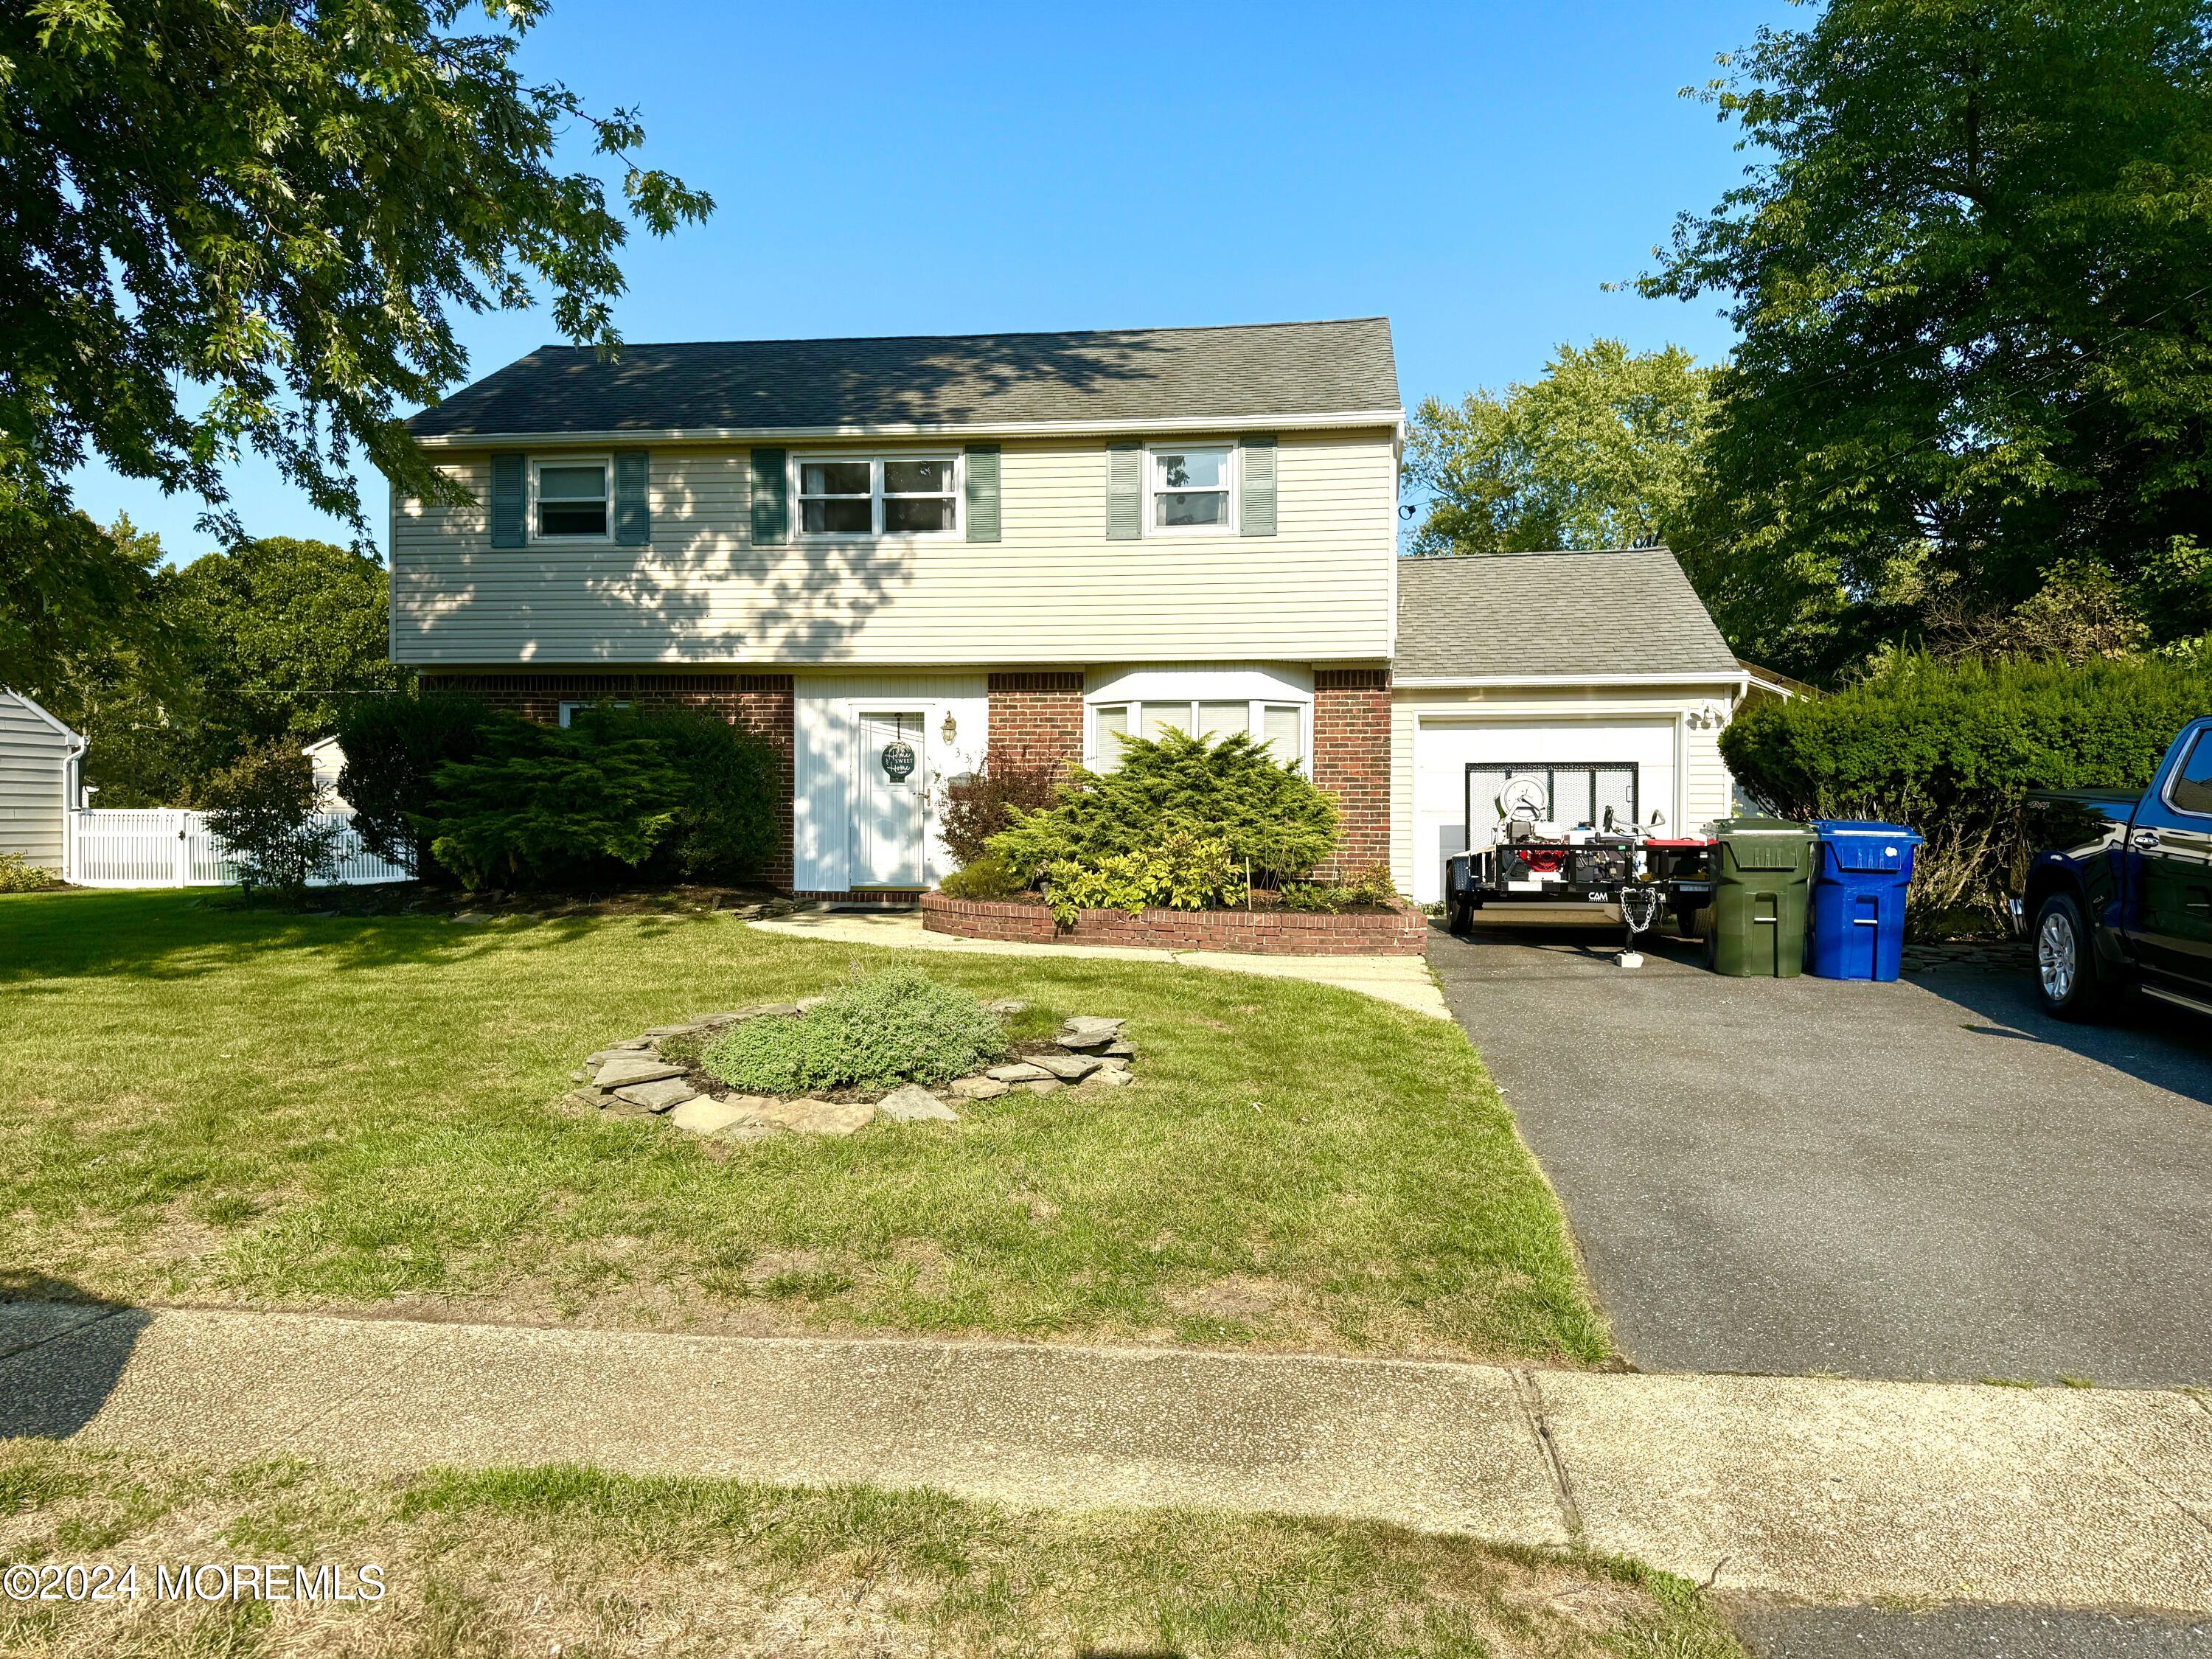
[1443,749]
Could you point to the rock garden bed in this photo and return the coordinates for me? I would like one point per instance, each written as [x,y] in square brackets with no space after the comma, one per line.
[664,1072]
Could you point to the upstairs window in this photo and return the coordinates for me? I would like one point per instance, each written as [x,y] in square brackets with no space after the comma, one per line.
[879,496]
[1190,490]
[568,500]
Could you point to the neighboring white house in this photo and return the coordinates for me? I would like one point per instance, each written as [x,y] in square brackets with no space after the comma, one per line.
[327,761]
[40,781]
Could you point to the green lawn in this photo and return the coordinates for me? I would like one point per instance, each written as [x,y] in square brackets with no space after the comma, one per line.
[205,1104]
[568,1561]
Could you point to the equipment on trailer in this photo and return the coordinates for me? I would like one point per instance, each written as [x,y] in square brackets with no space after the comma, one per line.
[1547,833]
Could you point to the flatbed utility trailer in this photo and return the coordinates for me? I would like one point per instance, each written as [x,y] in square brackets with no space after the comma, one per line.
[1606,858]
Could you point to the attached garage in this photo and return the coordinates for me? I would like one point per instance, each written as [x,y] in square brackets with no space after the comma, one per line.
[1600,675]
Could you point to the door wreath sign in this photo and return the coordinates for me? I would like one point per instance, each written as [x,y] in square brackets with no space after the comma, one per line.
[898,760]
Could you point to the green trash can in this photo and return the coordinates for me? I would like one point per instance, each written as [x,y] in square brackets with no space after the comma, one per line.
[1762,883]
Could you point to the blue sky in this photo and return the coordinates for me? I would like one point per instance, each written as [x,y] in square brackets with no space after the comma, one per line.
[1474,172]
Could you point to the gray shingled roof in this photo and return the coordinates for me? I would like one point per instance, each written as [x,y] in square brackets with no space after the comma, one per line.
[1150,374]
[1496,615]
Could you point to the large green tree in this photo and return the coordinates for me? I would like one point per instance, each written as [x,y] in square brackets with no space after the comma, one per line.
[265,644]
[1972,268]
[230,225]
[1602,451]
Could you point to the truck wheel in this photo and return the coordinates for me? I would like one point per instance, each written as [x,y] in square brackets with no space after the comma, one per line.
[2066,960]
[1459,918]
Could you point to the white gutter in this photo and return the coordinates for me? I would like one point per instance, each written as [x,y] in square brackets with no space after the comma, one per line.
[1471,682]
[697,434]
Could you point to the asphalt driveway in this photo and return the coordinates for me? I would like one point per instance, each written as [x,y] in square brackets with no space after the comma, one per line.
[1927,1179]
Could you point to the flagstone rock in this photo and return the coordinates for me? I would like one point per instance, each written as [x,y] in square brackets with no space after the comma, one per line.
[1068,1068]
[1019,1072]
[978,1088]
[703,1114]
[624,1070]
[658,1095]
[836,1118]
[914,1104]
[1110,1079]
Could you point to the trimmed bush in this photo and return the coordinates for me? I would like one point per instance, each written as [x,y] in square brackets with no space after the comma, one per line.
[544,805]
[892,1027]
[726,820]
[266,809]
[1952,749]
[1267,815]
[393,749]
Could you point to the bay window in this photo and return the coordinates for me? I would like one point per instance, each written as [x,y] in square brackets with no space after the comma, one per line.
[1280,726]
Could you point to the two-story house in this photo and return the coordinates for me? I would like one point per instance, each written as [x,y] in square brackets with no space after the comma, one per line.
[891,557]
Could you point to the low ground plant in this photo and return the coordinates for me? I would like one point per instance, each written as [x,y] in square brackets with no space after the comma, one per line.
[19,875]
[1183,872]
[1367,889]
[895,1026]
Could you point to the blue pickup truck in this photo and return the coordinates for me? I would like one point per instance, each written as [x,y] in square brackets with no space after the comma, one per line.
[2122,896]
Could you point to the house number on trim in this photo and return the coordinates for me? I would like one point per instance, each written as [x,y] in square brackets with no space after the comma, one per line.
[898,760]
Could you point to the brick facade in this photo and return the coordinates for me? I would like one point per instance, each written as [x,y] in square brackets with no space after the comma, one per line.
[1036,715]
[761,704]
[1266,930]
[1352,760]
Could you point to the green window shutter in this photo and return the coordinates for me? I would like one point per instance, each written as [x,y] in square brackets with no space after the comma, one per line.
[1259,515]
[508,509]
[1125,492]
[771,498]
[982,492]
[633,498]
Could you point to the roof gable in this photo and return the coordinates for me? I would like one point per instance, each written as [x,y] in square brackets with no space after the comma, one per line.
[1110,377]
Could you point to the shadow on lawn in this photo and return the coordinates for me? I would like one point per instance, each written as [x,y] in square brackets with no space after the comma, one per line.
[61,1354]
[172,935]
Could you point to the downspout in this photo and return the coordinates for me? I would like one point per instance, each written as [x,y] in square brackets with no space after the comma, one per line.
[72,803]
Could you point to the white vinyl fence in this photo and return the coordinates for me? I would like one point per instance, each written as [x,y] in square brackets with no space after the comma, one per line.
[112,847]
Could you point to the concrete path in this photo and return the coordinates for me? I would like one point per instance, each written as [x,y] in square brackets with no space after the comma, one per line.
[1927,1179]
[1813,1490]
[1405,981]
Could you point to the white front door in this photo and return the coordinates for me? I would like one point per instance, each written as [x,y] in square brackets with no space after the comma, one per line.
[891,796]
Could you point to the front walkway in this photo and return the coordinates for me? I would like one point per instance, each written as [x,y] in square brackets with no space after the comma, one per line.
[1404,981]
[1807,1488]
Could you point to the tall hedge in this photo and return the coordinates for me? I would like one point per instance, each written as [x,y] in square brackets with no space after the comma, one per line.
[1953,748]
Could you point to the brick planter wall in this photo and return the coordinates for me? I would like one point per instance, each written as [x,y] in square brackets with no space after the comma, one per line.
[762,704]
[1266,932]
[1351,761]
[1036,715]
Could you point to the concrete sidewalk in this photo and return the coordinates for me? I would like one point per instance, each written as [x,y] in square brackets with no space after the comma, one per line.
[1404,981]
[1805,1488]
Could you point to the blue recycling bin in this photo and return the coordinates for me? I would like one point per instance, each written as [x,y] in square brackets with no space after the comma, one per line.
[1860,871]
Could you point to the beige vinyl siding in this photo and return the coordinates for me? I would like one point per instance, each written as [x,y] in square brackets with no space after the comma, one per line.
[1702,779]
[1054,589]
[33,785]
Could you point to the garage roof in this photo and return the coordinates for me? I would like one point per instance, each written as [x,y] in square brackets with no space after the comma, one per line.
[1564,615]
[1162,376]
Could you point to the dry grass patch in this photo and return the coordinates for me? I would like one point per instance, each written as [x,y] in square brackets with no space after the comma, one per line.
[570,1561]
